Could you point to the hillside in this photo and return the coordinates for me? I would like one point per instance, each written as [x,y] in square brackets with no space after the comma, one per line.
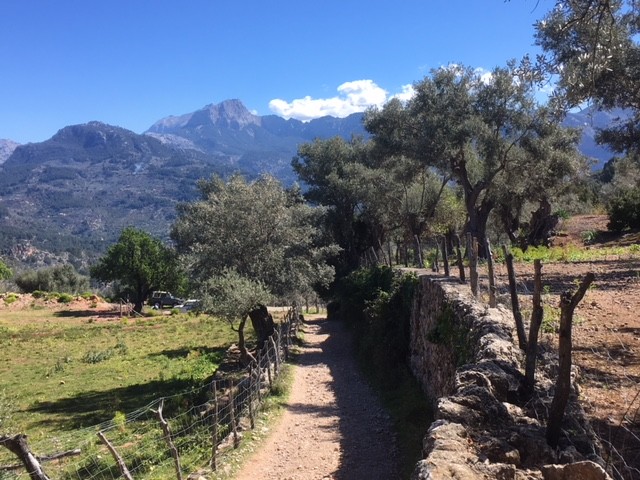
[75,192]
[72,194]
[69,197]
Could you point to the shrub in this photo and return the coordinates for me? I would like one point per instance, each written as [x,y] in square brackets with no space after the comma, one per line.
[62,278]
[624,210]
[10,298]
[65,298]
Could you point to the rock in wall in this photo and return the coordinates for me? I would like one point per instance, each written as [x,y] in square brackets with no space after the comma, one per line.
[464,356]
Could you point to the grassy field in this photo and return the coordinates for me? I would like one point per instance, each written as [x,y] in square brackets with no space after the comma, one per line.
[63,368]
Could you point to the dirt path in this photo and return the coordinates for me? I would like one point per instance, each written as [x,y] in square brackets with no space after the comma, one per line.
[333,426]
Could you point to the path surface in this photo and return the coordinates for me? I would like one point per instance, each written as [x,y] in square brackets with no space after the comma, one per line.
[333,426]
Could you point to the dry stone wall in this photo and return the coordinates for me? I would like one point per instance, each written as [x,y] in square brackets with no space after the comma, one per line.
[464,356]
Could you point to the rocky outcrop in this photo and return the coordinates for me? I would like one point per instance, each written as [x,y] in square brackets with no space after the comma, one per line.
[464,356]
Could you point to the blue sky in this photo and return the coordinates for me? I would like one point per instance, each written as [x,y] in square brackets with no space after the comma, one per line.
[132,62]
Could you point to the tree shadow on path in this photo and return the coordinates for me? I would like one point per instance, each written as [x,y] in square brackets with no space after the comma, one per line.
[367,444]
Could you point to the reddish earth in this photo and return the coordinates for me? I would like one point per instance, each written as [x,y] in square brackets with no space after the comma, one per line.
[333,427]
[606,334]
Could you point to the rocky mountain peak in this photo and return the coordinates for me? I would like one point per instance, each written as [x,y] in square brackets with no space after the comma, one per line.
[233,113]
[6,149]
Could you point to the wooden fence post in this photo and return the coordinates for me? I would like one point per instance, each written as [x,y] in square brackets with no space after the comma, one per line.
[472,247]
[167,437]
[492,277]
[459,259]
[445,256]
[537,315]
[214,428]
[19,447]
[121,465]
[515,303]
[568,304]
[232,411]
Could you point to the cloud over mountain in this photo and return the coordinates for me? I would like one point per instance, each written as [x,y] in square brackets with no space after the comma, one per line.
[353,97]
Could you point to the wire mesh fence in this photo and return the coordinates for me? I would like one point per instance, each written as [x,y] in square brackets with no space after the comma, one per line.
[172,437]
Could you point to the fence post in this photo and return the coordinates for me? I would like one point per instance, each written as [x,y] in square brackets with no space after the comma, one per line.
[492,278]
[252,418]
[459,259]
[121,465]
[167,437]
[445,256]
[234,425]
[472,247]
[515,303]
[214,428]
[19,447]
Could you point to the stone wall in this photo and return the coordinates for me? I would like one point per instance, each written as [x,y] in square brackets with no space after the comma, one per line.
[464,356]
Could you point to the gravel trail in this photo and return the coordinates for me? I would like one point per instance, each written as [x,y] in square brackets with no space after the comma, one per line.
[333,427]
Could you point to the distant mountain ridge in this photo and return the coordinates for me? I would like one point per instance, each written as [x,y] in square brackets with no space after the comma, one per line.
[7,147]
[76,191]
[253,144]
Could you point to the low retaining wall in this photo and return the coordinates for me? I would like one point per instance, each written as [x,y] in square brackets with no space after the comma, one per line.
[464,356]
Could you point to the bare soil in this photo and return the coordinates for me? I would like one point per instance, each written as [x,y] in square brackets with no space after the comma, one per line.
[333,426]
[606,334]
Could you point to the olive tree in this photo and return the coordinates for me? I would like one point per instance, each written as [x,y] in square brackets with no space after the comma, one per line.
[245,242]
[140,263]
[591,46]
[487,133]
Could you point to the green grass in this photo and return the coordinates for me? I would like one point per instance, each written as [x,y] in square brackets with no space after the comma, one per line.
[571,253]
[62,370]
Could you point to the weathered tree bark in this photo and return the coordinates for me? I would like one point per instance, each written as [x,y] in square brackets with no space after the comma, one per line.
[534,328]
[445,256]
[568,304]
[472,248]
[515,303]
[19,447]
[492,277]
[167,438]
[541,225]
[459,260]
[262,323]
[114,453]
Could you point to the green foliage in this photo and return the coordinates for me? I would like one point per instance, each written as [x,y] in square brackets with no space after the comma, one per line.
[449,333]
[5,271]
[259,230]
[65,298]
[97,356]
[484,135]
[624,210]
[231,296]
[376,304]
[62,278]
[140,263]
[592,48]
[9,298]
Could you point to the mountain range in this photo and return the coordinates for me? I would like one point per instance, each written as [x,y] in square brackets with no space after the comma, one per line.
[68,198]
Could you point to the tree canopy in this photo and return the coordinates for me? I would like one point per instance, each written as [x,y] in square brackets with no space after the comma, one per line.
[483,132]
[592,48]
[256,237]
[140,264]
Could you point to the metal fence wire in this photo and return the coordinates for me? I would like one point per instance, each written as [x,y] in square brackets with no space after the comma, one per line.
[180,436]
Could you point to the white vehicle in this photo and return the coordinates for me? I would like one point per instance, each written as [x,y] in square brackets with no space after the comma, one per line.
[189,306]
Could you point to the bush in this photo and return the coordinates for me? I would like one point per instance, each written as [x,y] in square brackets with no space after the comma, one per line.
[65,298]
[624,210]
[62,278]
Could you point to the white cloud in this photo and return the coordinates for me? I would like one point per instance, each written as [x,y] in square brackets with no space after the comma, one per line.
[406,94]
[355,96]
